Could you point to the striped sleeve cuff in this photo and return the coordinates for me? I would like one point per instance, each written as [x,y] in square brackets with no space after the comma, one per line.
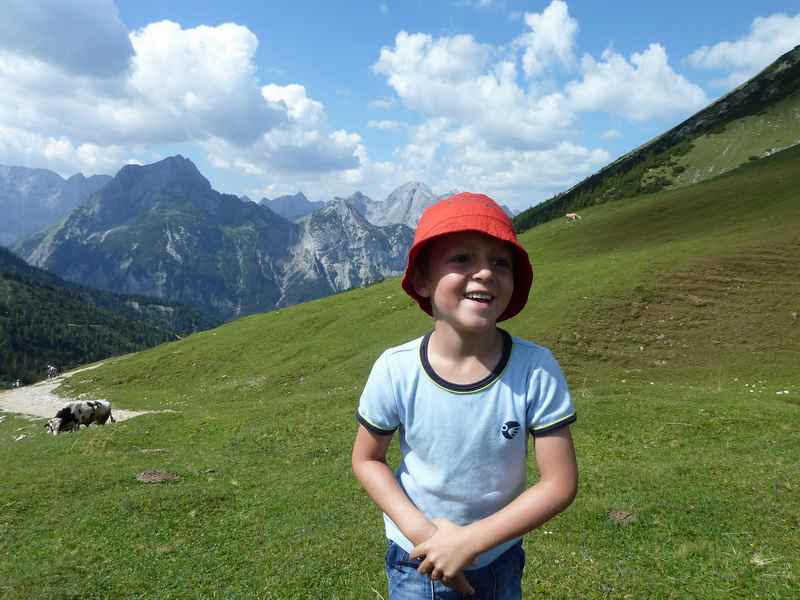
[373,428]
[547,428]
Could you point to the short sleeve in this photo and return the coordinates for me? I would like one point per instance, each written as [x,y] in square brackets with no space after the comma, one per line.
[377,408]
[549,401]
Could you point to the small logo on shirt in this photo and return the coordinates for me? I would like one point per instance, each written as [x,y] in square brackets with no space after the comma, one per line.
[510,429]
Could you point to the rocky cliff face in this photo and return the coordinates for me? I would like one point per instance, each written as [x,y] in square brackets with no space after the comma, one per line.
[32,199]
[339,249]
[404,205]
[161,230]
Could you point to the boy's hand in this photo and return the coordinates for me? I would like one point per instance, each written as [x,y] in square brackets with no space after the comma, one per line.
[445,555]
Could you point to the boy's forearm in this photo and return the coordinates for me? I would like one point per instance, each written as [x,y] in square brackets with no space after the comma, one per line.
[537,505]
[555,491]
[379,482]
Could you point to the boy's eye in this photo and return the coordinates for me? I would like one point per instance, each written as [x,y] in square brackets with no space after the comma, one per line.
[502,262]
[460,258]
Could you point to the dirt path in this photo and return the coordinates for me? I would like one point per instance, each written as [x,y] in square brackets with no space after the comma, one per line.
[38,400]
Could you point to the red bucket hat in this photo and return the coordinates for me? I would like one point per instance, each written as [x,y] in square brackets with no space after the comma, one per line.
[470,212]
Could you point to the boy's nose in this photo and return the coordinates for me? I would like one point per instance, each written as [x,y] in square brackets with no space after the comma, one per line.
[484,270]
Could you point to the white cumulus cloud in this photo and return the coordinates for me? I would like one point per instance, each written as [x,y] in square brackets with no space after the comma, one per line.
[453,156]
[491,126]
[386,125]
[176,85]
[18,147]
[536,173]
[288,151]
[200,82]
[551,38]
[46,30]
[643,88]
[181,85]
[455,77]
[305,111]
[768,38]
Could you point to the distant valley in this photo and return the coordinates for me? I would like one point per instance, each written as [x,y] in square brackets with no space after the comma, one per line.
[46,320]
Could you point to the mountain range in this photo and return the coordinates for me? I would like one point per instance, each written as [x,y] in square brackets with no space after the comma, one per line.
[161,230]
[32,199]
[404,205]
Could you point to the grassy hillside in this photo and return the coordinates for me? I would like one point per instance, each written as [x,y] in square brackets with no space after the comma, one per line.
[675,317]
[754,120]
[747,138]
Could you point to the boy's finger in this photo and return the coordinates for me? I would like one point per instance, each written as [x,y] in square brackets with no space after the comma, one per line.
[417,552]
[460,584]
[425,567]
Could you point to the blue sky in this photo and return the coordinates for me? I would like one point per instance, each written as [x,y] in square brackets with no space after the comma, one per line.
[516,99]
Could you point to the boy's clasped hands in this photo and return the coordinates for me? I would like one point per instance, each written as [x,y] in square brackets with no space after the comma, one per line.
[445,554]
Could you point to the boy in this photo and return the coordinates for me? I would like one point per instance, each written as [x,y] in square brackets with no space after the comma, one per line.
[464,397]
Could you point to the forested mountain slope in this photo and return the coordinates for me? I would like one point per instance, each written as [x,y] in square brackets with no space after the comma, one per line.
[45,320]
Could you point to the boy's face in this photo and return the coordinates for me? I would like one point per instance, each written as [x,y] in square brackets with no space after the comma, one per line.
[469,278]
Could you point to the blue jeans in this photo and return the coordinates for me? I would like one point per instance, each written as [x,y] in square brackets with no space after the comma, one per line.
[499,580]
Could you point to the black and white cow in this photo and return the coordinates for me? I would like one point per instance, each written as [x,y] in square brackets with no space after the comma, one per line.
[75,414]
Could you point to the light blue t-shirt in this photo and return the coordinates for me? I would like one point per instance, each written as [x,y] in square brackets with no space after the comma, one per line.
[464,447]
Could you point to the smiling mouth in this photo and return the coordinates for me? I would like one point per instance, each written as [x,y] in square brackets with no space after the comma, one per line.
[481,297]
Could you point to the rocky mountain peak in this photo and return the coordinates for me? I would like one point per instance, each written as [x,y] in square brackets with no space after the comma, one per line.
[291,206]
[171,170]
[358,197]
[410,187]
[360,203]
[173,182]
[345,210]
[404,205]
[77,178]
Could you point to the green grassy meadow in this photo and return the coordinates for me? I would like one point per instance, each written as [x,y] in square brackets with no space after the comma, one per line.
[675,317]
[775,128]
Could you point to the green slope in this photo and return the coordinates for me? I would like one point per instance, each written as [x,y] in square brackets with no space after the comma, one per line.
[685,274]
[675,318]
[748,138]
[754,120]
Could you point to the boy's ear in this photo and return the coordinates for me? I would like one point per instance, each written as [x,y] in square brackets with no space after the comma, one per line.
[421,285]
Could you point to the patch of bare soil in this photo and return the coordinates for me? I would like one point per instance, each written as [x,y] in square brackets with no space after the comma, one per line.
[39,399]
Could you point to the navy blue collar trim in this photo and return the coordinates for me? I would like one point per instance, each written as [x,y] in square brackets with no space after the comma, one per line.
[466,387]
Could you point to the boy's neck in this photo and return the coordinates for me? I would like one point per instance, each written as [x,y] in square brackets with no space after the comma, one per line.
[455,344]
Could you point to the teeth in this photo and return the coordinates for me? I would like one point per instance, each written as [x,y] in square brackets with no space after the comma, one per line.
[478,296]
